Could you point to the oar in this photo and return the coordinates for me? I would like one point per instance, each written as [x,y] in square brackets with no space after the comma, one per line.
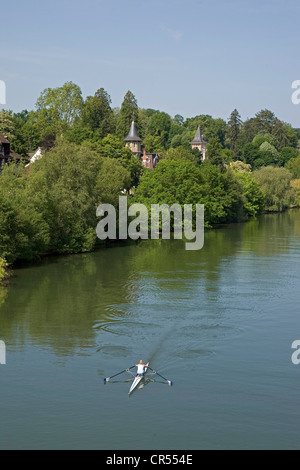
[154,371]
[107,379]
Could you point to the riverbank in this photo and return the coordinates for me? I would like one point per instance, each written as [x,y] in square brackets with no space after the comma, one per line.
[6,270]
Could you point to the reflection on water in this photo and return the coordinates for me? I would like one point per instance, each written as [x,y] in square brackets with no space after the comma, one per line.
[64,302]
[220,320]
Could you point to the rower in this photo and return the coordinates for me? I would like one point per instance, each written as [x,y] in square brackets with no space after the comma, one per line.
[141,368]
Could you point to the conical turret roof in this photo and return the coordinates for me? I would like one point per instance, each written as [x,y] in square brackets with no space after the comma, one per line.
[198,137]
[133,134]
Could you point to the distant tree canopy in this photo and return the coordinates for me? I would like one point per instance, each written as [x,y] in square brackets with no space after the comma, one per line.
[62,104]
[97,114]
[259,141]
[50,206]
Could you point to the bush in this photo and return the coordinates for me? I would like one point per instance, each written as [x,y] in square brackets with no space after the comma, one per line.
[51,205]
[182,182]
[276,184]
[71,181]
[24,232]
[3,266]
[254,203]
[296,186]
[293,166]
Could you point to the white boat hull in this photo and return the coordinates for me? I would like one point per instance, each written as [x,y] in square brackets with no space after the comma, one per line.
[137,380]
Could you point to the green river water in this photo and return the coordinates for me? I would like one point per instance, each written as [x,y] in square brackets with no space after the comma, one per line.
[219,322]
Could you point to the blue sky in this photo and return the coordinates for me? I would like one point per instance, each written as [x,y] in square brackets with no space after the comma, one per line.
[183,57]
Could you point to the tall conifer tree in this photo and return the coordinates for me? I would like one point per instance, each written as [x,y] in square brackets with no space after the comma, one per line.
[233,129]
[128,113]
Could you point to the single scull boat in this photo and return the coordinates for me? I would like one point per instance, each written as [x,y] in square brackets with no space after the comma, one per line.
[138,379]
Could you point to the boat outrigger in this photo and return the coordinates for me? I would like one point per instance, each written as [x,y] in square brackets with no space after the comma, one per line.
[138,378]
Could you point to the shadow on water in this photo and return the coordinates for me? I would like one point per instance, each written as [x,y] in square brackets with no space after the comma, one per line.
[76,303]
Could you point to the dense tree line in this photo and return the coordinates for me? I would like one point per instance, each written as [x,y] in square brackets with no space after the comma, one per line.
[50,206]
[259,141]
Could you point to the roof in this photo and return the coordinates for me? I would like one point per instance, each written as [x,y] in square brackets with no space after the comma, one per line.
[3,139]
[15,155]
[198,137]
[133,134]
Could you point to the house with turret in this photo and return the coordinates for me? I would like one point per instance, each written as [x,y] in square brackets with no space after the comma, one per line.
[150,160]
[134,142]
[199,143]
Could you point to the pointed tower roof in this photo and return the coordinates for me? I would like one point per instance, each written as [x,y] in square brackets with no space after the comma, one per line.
[198,139]
[133,134]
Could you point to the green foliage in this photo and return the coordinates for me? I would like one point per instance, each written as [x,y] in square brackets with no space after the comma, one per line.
[182,182]
[240,167]
[172,182]
[233,130]
[176,141]
[214,152]
[112,147]
[178,120]
[296,187]
[222,195]
[51,205]
[266,123]
[97,114]
[30,128]
[63,103]
[24,232]
[276,184]
[7,128]
[3,267]
[262,151]
[78,134]
[287,154]
[269,152]
[284,135]
[129,112]
[153,143]
[210,128]
[227,155]
[259,139]
[254,202]
[182,139]
[66,177]
[159,127]
[181,153]
[111,181]
[293,166]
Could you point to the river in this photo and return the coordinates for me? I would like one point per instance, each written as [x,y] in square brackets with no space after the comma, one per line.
[218,322]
